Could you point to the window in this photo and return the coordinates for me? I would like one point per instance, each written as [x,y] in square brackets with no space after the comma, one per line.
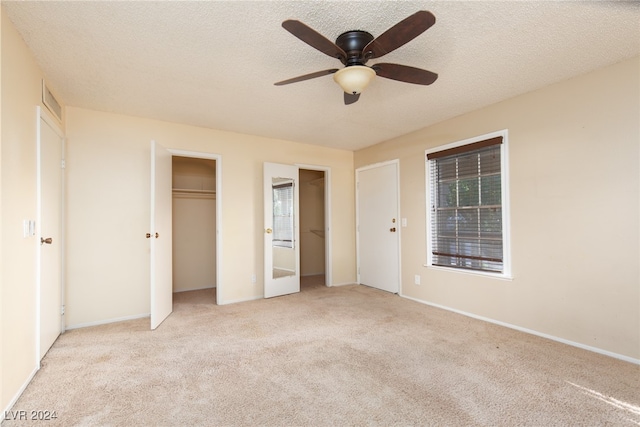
[283,214]
[467,213]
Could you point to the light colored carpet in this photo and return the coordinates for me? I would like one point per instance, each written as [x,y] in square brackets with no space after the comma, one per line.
[347,355]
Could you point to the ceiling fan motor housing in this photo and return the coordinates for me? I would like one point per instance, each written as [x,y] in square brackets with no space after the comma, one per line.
[353,42]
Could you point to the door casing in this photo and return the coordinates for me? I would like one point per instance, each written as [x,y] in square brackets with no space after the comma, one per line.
[328,280]
[218,159]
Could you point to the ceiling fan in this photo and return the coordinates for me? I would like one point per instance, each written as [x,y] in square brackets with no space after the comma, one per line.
[355,48]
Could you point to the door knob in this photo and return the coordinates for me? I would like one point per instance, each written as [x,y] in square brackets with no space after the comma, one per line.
[48,240]
[268,231]
[393,230]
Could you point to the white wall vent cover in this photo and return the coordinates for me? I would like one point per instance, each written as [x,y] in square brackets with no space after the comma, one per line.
[51,102]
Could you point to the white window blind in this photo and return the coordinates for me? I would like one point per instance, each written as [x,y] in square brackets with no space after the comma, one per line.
[466,206]
[283,215]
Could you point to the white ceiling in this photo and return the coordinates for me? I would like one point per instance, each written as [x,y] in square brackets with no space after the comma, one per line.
[213,63]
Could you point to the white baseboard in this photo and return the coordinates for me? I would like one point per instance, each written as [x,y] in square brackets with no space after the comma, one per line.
[106,321]
[18,393]
[531,331]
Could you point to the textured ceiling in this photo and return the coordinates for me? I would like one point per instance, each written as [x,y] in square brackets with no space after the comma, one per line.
[213,63]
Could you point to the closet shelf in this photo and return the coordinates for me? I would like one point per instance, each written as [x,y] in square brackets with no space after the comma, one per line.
[188,193]
[191,191]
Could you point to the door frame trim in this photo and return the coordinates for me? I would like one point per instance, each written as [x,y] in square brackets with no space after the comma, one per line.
[328,266]
[42,114]
[374,166]
[218,160]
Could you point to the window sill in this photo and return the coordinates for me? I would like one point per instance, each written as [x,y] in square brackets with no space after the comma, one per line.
[470,272]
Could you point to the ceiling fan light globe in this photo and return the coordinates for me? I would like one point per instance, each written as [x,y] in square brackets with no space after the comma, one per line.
[354,79]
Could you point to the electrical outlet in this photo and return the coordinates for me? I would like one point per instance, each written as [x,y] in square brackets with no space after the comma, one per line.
[253,278]
[416,279]
[404,222]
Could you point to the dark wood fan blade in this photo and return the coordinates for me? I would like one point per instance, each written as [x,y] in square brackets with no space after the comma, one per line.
[405,73]
[307,77]
[401,33]
[314,39]
[350,98]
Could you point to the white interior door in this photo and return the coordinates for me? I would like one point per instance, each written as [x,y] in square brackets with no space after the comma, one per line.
[281,230]
[50,180]
[160,235]
[378,227]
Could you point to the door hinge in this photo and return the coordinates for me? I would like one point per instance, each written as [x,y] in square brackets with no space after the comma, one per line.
[62,310]
[63,164]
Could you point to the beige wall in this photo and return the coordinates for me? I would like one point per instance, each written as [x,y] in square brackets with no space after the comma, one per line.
[108,209]
[574,178]
[194,242]
[20,94]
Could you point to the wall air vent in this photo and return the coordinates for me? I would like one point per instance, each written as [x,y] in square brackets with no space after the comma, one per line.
[51,102]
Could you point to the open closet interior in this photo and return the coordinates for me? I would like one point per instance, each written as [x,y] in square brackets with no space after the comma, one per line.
[312,227]
[194,226]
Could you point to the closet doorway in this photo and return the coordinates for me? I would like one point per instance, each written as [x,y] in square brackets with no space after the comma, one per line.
[194,230]
[313,229]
